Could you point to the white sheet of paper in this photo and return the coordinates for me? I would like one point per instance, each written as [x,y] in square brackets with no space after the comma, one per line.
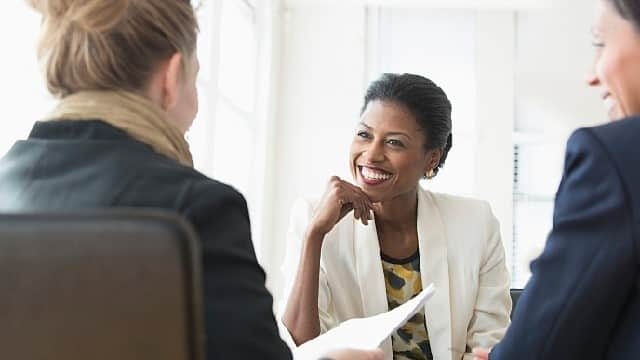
[364,333]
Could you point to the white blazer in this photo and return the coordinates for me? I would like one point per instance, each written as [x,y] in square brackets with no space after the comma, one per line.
[460,252]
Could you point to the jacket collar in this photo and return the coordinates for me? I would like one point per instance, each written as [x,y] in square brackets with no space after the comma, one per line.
[434,267]
[77,130]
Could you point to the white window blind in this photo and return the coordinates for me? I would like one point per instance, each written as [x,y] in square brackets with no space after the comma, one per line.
[534,186]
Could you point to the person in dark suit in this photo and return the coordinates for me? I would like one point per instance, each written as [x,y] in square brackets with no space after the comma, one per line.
[125,74]
[583,298]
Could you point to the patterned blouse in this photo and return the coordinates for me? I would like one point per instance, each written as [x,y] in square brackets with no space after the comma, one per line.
[402,281]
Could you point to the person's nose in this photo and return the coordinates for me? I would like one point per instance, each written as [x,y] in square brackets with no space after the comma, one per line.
[375,152]
[592,77]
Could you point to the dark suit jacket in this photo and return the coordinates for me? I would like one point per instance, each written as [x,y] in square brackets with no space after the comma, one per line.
[583,298]
[71,165]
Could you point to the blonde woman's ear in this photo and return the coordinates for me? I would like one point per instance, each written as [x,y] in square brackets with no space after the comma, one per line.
[172,71]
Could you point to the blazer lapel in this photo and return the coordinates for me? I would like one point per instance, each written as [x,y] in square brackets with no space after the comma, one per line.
[434,269]
[370,276]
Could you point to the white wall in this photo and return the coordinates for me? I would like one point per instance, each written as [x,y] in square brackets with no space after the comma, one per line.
[493,154]
[554,53]
[320,90]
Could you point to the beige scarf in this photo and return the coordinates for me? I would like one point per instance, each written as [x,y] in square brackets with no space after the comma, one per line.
[135,114]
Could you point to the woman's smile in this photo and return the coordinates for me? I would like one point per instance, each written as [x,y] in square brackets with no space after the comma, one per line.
[372,176]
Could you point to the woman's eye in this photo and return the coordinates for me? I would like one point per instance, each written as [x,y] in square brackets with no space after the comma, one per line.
[363,134]
[394,142]
[597,44]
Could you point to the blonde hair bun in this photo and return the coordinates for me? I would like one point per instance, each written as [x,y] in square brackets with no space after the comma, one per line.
[89,15]
[110,44]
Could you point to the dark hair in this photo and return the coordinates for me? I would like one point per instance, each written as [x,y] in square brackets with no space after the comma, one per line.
[628,10]
[425,100]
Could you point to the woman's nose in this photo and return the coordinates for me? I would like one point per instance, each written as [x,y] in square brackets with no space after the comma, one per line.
[375,153]
[592,78]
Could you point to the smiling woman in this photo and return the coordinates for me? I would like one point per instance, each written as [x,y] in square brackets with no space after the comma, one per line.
[617,42]
[369,246]
[416,144]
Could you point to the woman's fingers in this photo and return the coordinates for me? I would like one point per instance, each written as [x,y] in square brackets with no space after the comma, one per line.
[364,213]
[361,209]
[356,212]
[358,193]
[341,198]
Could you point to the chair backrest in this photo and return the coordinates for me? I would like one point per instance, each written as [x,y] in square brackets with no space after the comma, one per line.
[121,284]
[515,296]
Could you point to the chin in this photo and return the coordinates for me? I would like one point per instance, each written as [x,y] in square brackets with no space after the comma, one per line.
[374,196]
[616,115]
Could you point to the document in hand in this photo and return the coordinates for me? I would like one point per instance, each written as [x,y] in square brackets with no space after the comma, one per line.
[363,333]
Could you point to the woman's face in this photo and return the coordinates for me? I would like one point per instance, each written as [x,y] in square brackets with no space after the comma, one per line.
[388,155]
[616,69]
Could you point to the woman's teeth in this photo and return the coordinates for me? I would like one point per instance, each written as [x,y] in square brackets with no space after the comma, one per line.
[371,174]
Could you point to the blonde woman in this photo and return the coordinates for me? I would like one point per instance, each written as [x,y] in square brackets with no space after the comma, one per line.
[125,74]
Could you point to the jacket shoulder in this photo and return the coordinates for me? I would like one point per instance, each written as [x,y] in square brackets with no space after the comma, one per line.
[165,181]
[459,204]
[615,133]
[609,152]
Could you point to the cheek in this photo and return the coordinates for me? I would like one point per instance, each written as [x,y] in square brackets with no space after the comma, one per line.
[410,168]
[611,71]
[606,68]
[614,67]
[353,154]
[621,75]
[196,103]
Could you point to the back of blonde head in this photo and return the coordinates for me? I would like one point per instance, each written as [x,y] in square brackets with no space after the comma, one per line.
[111,44]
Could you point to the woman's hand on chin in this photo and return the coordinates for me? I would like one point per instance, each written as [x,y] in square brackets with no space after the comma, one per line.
[338,200]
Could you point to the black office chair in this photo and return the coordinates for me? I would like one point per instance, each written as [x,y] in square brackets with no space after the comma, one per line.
[107,285]
[515,296]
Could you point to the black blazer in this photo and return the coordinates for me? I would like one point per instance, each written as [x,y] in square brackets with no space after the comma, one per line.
[583,298]
[71,165]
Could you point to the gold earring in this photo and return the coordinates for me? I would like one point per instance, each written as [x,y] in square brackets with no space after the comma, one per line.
[430,174]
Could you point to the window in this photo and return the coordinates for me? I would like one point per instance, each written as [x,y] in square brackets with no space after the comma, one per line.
[227,137]
[223,135]
[537,171]
[23,92]
[550,100]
